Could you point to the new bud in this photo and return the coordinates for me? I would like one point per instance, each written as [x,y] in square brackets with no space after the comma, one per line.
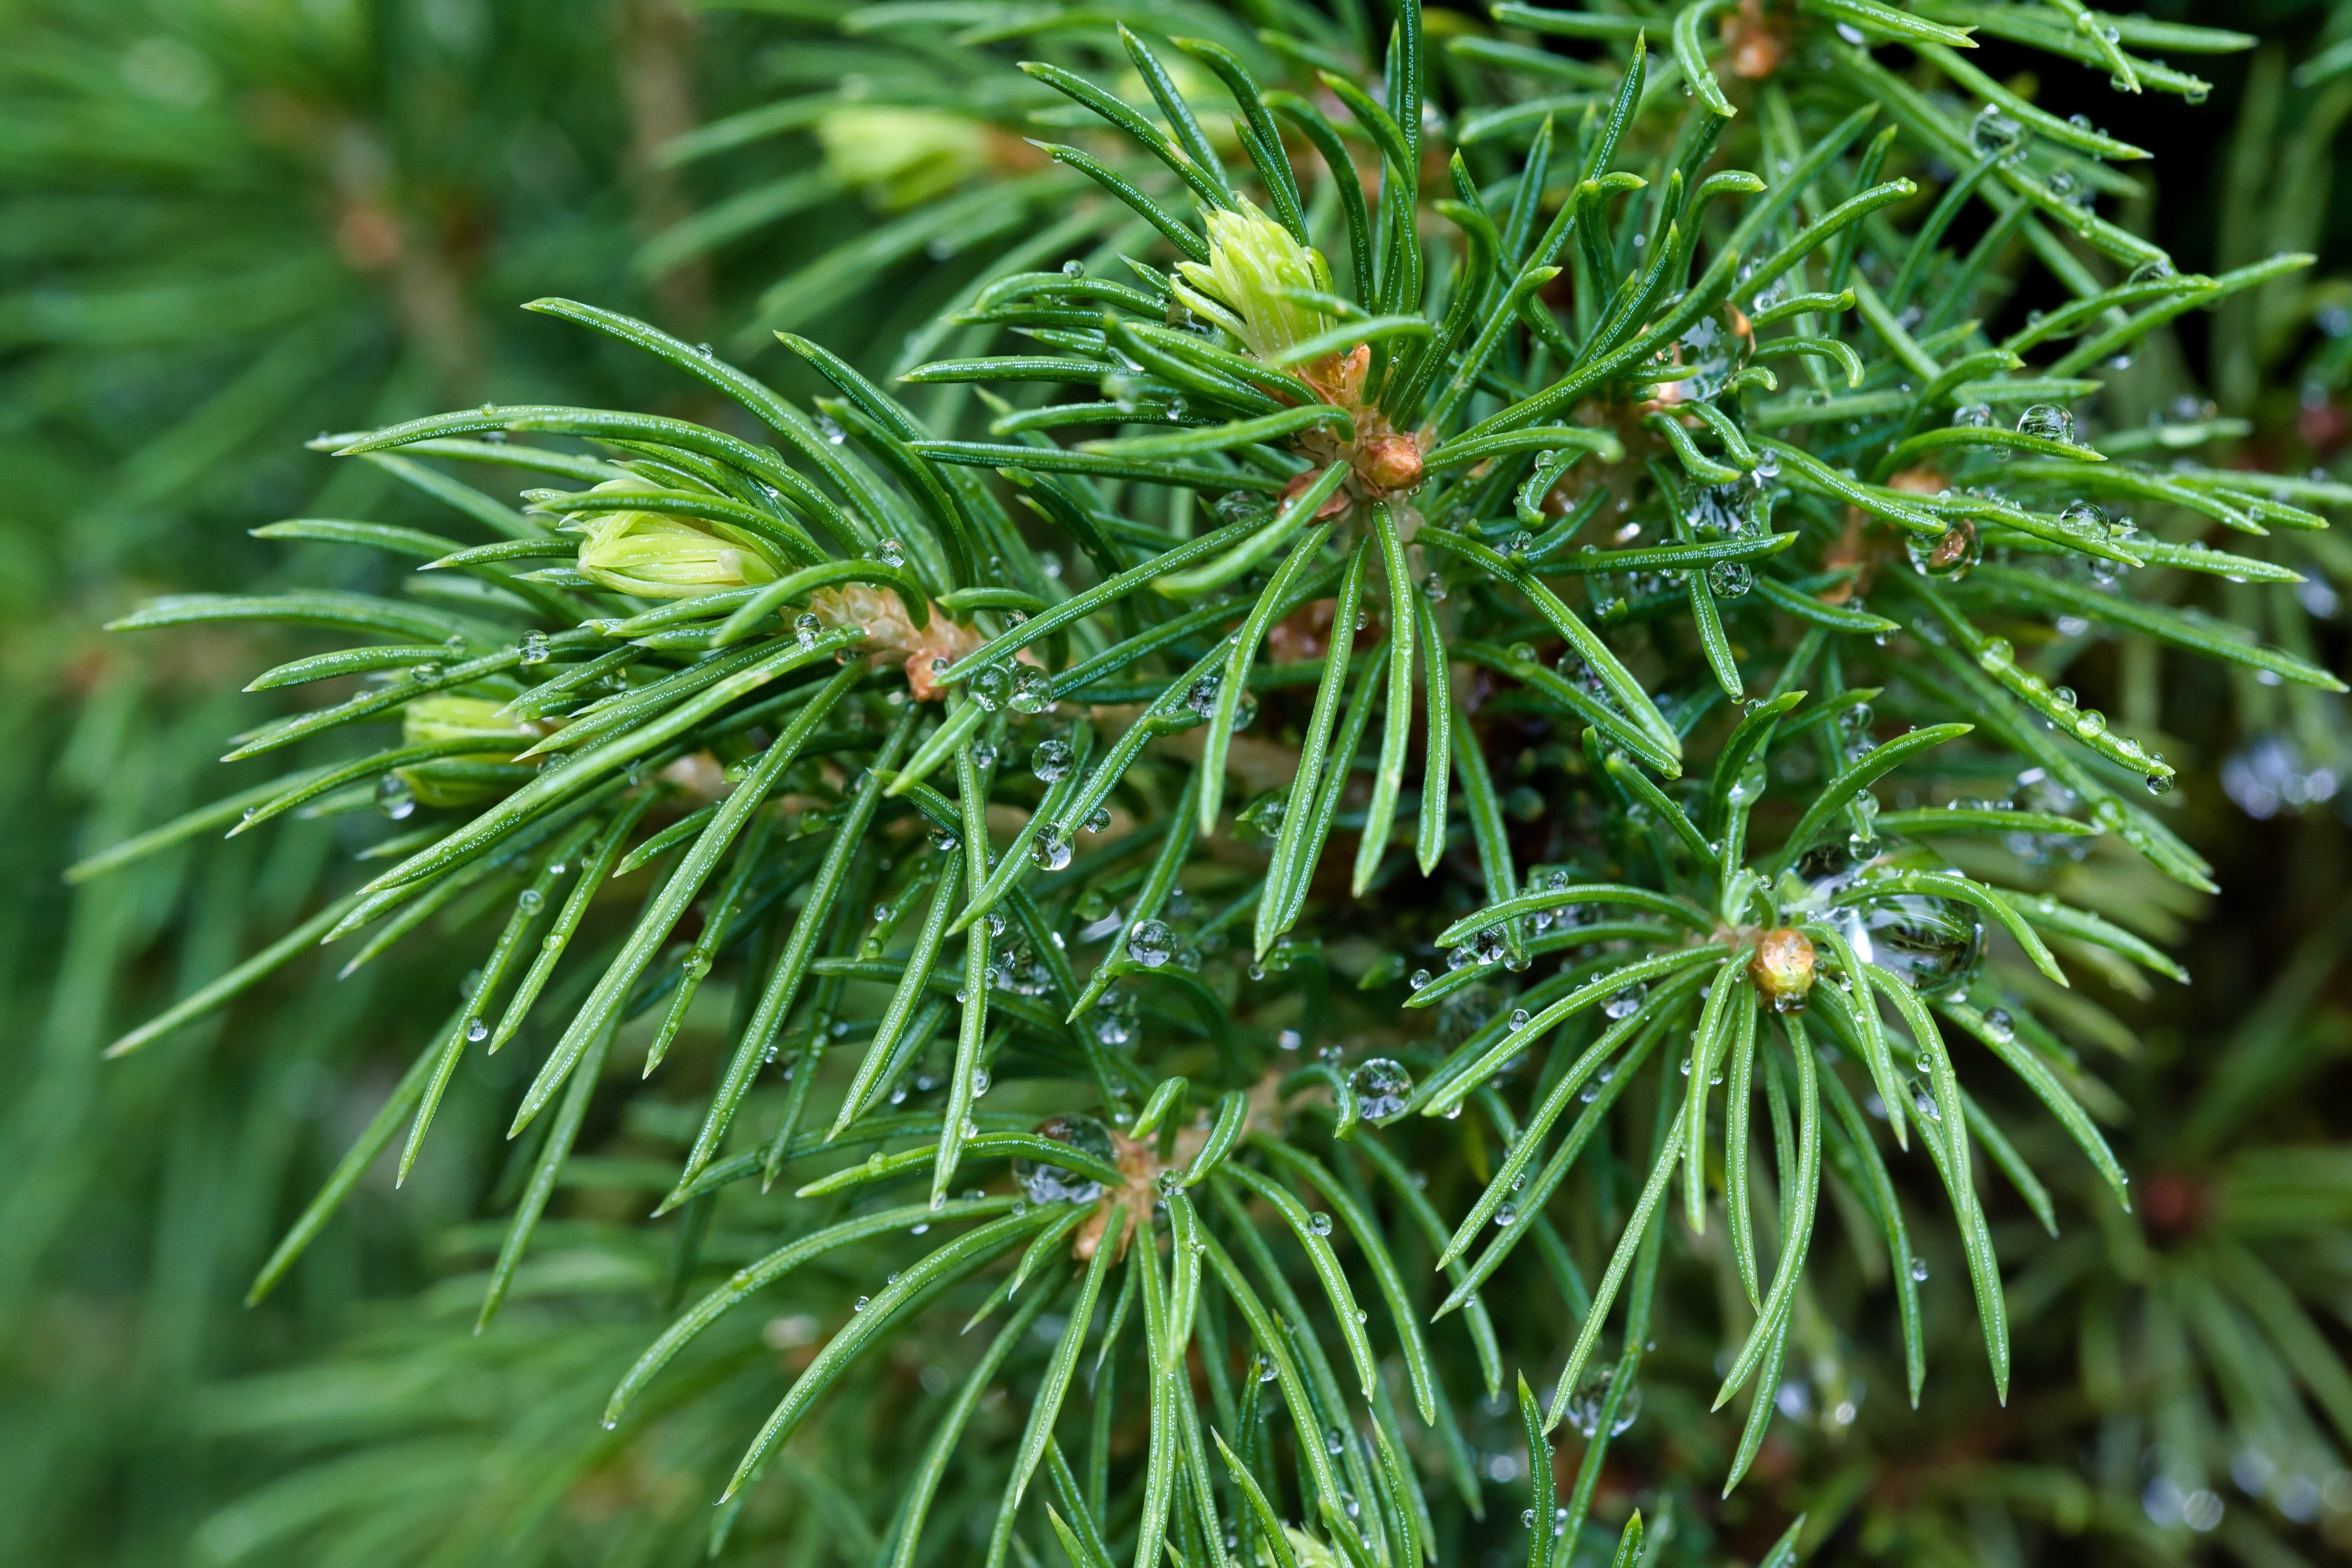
[1253,266]
[901,158]
[654,557]
[429,720]
[1783,968]
[1390,462]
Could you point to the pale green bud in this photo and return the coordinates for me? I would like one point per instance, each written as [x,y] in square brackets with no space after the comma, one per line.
[902,157]
[655,556]
[1309,1552]
[429,720]
[1252,260]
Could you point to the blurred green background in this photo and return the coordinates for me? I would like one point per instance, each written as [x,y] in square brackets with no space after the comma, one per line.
[228,224]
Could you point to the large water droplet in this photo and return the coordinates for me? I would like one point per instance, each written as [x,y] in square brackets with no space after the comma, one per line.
[2047,421]
[990,686]
[1052,1185]
[1381,1087]
[1033,690]
[1050,849]
[1151,944]
[1992,131]
[1050,759]
[1591,1396]
[1947,555]
[1730,579]
[394,797]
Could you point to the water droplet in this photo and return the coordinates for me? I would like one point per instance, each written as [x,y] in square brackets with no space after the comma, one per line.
[1730,579]
[889,553]
[534,647]
[1947,555]
[806,627]
[1625,1003]
[530,900]
[1050,849]
[1420,978]
[394,797]
[1050,759]
[1382,1087]
[1591,1397]
[2048,422]
[990,686]
[1919,1269]
[1991,130]
[830,428]
[1151,944]
[1320,1223]
[1033,690]
[477,1031]
[2083,520]
[1050,1183]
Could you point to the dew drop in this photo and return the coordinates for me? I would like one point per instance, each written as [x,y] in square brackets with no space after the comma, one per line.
[1050,760]
[395,798]
[1050,850]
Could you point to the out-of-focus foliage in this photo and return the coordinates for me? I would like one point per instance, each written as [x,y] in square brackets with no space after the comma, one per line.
[223,224]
